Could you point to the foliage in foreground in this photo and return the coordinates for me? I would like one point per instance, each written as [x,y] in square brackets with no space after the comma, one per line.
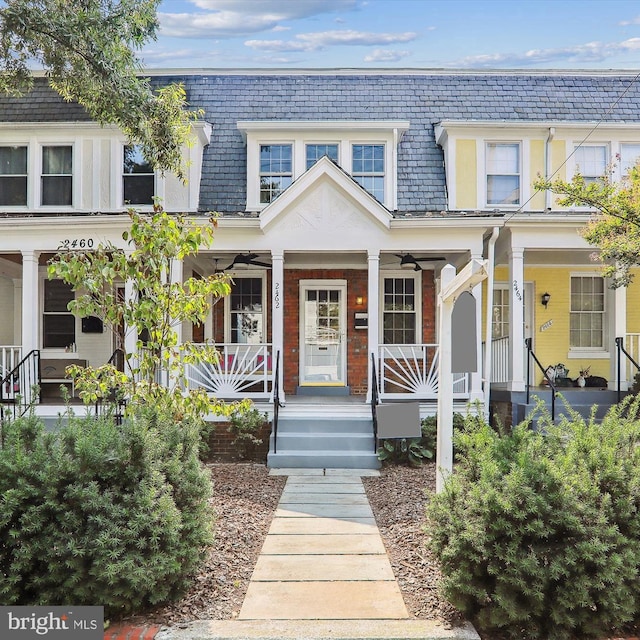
[101,514]
[88,50]
[246,425]
[538,535]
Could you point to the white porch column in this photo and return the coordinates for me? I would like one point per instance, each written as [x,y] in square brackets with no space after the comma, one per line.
[30,301]
[476,393]
[277,314]
[373,304]
[176,271]
[130,333]
[620,331]
[444,442]
[17,311]
[516,320]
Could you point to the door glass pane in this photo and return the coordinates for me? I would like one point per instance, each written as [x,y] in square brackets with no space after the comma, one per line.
[323,347]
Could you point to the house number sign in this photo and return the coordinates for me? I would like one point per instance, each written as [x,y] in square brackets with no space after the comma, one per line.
[276,295]
[76,243]
[516,291]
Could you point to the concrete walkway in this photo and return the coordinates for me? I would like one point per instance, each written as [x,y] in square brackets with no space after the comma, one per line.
[323,572]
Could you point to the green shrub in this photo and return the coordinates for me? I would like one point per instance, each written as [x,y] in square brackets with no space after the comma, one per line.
[245,424]
[538,535]
[96,513]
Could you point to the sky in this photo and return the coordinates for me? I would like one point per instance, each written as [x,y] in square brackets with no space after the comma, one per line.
[375,34]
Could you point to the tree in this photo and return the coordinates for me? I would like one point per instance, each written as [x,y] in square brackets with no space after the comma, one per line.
[615,227]
[159,303]
[88,50]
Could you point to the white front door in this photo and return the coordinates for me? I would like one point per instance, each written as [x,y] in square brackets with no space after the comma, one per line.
[323,350]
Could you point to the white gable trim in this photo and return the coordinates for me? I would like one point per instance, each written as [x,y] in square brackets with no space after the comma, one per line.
[325,168]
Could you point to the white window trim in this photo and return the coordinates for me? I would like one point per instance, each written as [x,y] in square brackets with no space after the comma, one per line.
[595,353]
[75,178]
[399,273]
[249,273]
[43,277]
[523,151]
[342,133]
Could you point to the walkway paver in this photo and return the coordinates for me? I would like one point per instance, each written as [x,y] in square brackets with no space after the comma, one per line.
[323,557]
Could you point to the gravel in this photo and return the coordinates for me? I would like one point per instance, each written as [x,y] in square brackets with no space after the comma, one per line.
[245,498]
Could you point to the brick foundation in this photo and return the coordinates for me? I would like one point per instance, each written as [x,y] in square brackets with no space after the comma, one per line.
[221,448]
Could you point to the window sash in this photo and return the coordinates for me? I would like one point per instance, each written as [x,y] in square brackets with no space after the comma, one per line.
[57,176]
[58,323]
[367,168]
[276,170]
[138,177]
[399,311]
[13,176]
[629,157]
[316,151]
[502,164]
[247,311]
[586,313]
[591,162]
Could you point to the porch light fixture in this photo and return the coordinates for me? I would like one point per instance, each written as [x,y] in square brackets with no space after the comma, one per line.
[545,299]
[359,301]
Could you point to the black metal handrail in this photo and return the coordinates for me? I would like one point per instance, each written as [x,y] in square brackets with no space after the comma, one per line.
[374,401]
[276,401]
[619,350]
[532,355]
[119,404]
[16,386]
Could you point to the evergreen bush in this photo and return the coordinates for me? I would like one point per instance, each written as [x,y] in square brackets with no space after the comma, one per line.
[538,533]
[95,513]
[245,424]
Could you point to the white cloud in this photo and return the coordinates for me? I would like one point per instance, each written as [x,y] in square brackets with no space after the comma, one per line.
[386,55]
[230,18]
[627,23]
[583,53]
[322,39]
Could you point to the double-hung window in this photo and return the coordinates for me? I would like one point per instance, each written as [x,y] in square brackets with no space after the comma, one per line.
[247,311]
[58,323]
[503,173]
[317,151]
[586,317]
[399,311]
[367,168]
[57,176]
[629,157]
[138,177]
[500,319]
[276,170]
[591,162]
[13,176]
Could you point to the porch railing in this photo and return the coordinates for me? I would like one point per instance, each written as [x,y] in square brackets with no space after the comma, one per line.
[239,371]
[499,359]
[374,402]
[531,356]
[17,386]
[276,402]
[413,369]
[633,341]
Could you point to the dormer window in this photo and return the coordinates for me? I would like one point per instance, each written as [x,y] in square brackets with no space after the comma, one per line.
[275,170]
[13,176]
[503,173]
[138,177]
[591,162]
[57,176]
[279,152]
[368,168]
[317,151]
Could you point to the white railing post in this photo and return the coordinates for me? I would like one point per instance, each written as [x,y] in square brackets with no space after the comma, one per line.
[373,332]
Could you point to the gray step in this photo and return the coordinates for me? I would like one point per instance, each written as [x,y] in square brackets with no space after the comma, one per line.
[322,459]
[324,425]
[329,442]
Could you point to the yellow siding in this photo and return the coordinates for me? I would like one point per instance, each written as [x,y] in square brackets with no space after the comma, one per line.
[550,328]
[536,159]
[558,158]
[466,175]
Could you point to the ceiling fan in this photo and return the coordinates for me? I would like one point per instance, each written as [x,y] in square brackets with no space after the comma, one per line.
[246,260]
[407,261]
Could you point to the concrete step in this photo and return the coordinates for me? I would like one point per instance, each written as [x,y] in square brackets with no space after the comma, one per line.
[328,442]
[330,424]
[322,459]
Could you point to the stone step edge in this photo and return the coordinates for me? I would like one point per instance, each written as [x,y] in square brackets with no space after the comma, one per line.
[318,630]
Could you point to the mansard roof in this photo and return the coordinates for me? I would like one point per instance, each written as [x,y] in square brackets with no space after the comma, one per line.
[424,98]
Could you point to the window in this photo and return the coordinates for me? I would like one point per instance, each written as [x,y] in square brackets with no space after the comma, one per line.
[586,318]
[58,323]
[500,321]
[591,162]
[367,168]
[138,180]
[13,176]
[57,176]
[247,316]
[317,151]
[503,173]
[629,157]
[275,170]
[399,311]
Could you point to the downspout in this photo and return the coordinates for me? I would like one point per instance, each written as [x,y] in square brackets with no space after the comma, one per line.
[491,251]
[547,166]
